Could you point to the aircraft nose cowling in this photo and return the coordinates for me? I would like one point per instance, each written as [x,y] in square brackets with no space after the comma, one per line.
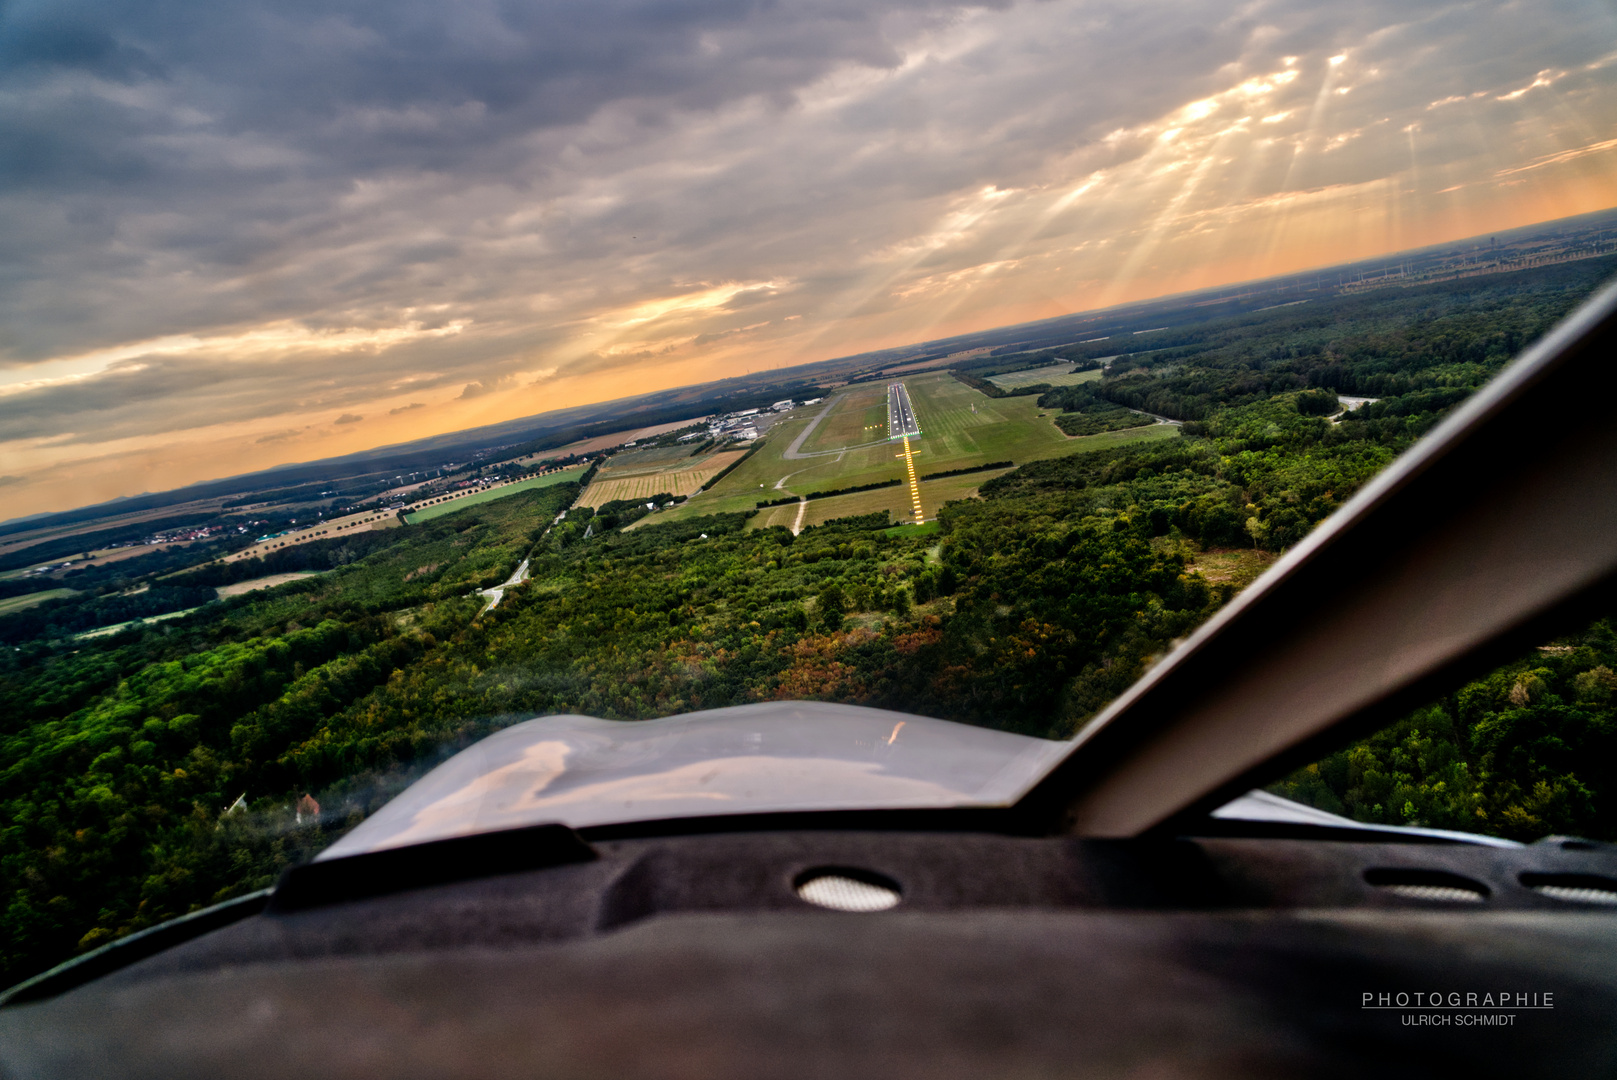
[774,757]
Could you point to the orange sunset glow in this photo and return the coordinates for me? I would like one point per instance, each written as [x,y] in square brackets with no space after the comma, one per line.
[263,267]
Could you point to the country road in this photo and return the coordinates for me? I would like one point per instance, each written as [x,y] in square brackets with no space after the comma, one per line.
[792,452]
[497,593]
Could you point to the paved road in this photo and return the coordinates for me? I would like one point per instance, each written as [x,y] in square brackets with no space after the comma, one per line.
[808,429]
[900,416]
[1160,419]
[792,453]
[496,594]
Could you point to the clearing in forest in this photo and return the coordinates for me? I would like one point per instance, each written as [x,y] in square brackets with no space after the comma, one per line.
[961,428]
[1234,566]
[28,600]
[1059,374]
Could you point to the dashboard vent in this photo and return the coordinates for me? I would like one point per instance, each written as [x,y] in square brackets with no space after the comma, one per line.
[840,890]
[1432,886]
[1573,888]
[1445,893]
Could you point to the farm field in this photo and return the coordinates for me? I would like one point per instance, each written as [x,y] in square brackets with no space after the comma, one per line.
[98,557]
[954,437]
[23,603]
[29,537]
[652,457]
[462,502]
[1054,374]
[370,519]
[616,438]
[941,361]
[237,588]
[643,479]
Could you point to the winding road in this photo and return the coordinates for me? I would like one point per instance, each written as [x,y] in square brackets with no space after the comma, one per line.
[496,594]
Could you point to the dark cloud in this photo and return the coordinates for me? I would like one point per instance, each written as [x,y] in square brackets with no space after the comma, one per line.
[368,85]
[175,392]
[526,169]
[8,481]
[224,142]
[348,418]
[407,408]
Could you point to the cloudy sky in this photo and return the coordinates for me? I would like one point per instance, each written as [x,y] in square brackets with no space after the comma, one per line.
[236,233]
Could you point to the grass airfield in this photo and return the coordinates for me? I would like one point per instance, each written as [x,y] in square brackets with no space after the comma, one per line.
[960,428]
[858,416]
[895,500]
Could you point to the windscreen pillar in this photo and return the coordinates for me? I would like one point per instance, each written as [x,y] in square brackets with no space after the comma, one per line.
[1497,530]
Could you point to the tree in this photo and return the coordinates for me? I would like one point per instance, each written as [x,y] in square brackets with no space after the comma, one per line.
[832,606]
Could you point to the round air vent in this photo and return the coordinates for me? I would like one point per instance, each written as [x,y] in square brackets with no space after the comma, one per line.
[847,890]
[1432,886]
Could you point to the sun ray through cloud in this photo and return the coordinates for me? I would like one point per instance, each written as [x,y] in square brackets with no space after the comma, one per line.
[272,242]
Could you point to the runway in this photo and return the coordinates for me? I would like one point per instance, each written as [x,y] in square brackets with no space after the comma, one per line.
[900,415]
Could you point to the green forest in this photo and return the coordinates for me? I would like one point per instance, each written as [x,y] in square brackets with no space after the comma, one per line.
[154,771]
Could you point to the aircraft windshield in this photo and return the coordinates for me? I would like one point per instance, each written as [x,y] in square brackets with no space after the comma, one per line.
[377,380]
